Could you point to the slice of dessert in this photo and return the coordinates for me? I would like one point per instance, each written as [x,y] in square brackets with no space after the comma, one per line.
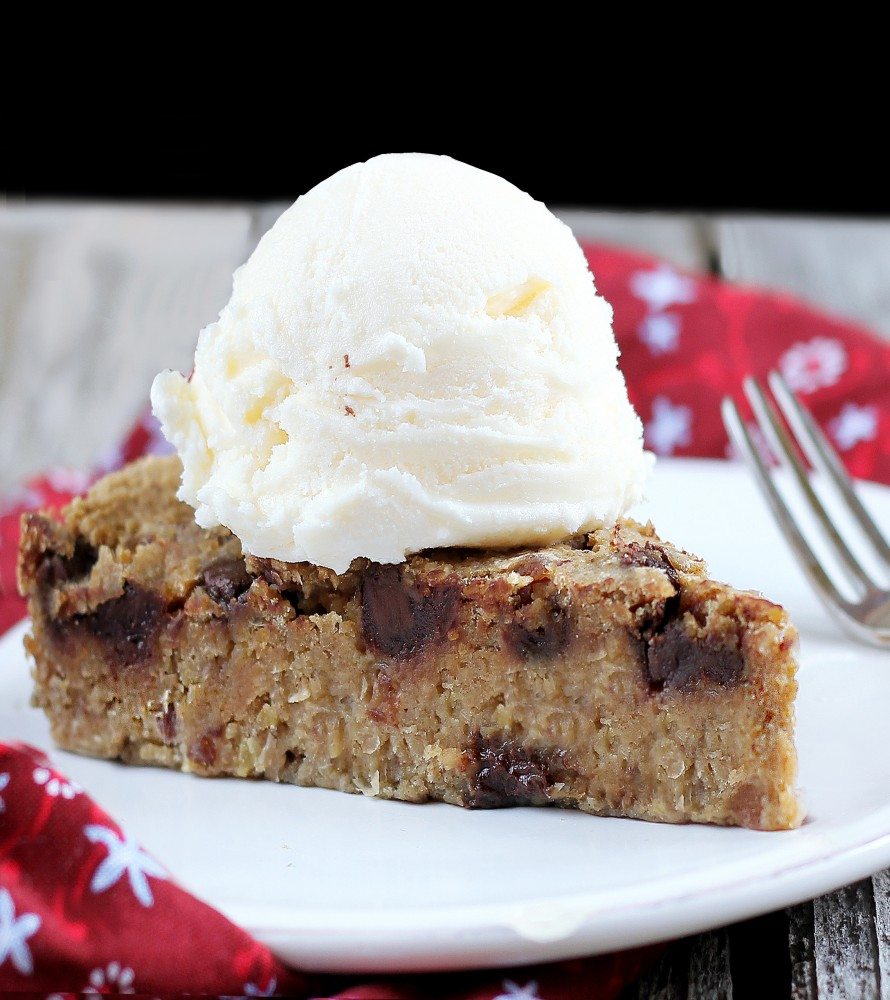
[399,561]
[605,672]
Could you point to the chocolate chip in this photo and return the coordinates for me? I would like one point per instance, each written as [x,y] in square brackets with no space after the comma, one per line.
[294,597]
[747,803]
[56,569]
[227,579]
[400,617]
[542,622]
[542,632]
[505,773]
[653,618]
[129,623]
[266,570]
[676,660]
[648,554]
[203,750]
[169,724]
[671,657]
[532,566]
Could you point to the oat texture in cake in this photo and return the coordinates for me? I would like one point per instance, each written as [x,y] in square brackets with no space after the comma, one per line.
[605,672]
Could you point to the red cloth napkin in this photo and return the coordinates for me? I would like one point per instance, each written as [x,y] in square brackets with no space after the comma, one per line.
[84,908]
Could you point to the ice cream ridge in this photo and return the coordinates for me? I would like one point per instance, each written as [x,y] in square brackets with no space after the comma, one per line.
[415,356]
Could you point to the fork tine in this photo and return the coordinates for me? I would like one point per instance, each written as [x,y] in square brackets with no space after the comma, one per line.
[821,453]
[808,560]
[781,443]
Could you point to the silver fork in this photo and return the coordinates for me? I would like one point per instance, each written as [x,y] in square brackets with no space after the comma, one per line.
[867,616]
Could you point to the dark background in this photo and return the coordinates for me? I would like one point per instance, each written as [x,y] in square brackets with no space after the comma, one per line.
[664,150]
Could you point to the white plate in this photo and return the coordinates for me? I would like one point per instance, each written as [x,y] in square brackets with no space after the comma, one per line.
[339,882]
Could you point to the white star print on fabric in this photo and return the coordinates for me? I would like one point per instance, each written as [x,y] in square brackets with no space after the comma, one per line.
[854,424]
[813,364]
[14,934]
[662,287]
[513,991]
[4,781]
[670,426]
[660,332]
[114,978]
[55,787]
[252,990]
[124,856]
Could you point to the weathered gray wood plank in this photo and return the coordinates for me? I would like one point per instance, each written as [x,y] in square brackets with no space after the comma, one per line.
[881,890]
[666,979]
[802,952]
[683,239]
[709,976]
[845,944]
[97,299]
[840,264]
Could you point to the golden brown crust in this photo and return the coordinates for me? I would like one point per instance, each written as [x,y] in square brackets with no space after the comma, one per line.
[606,672]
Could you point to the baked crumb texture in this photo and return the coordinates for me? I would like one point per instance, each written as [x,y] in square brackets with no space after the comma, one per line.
[606,673]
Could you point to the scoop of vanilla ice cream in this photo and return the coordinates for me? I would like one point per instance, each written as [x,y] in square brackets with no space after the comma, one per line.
[414,356]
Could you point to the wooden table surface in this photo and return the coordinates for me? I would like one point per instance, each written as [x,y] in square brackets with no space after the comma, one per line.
[95,299]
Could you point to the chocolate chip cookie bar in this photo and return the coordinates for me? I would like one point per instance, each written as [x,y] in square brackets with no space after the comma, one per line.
[605,673]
